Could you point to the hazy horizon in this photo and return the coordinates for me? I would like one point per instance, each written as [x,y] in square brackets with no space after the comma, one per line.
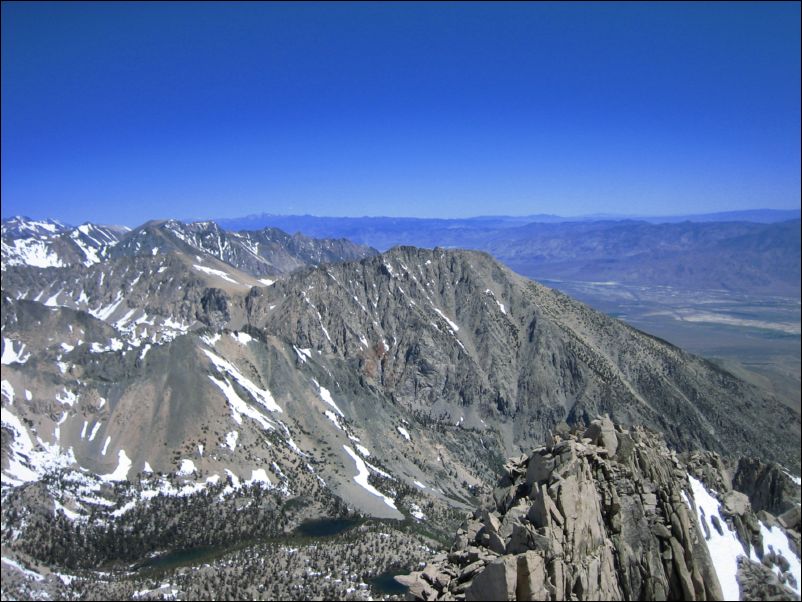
[600,216]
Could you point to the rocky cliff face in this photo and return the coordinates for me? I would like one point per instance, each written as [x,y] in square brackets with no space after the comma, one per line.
[768,486]
[457,338]
[612,514]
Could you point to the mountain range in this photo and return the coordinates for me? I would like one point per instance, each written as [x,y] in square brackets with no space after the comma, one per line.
[172,371]
[755,252]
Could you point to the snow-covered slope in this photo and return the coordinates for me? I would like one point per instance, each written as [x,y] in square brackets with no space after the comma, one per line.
[267,252]
[48,243]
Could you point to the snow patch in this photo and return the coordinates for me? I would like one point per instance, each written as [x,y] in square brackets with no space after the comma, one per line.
[361,478]
[123,466]
[325,395]
[27,572]
[213,272]
[238,406]
[104,313]
[379,471]
[333,417]
[211,340]
[724,549]
[67,398]
[451,323]
[774,538]
[94,431]
[27,462]
[242,337]
[10,356]
[416,512]
[35,253]
[231,439]
[258,475]
[124,320]
[301,356]
[263,396]
[8,391]
[20,451]
[53,301]
[500,304]
[187,468]
[795,479]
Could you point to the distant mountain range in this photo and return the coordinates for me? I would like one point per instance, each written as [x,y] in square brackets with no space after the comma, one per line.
[750,252]
[753,252]
[313,225]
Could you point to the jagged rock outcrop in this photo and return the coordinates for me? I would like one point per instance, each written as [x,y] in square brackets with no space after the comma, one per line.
[759,582]
[709,468]
[604,514]
[768,486]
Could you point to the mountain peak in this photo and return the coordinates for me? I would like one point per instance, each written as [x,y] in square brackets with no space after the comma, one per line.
[21,226]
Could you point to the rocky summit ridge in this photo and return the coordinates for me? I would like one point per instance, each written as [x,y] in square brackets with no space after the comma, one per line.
[610,513]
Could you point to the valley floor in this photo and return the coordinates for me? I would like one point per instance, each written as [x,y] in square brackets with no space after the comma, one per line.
[756,338]
[334,559]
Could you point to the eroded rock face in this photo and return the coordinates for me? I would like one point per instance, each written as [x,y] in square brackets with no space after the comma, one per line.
[453,333]
[607,514]
[769,487]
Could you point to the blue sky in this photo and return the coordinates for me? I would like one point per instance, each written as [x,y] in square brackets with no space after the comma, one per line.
[119,113]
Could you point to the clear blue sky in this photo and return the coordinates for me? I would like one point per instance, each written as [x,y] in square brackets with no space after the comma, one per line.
[118,113]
